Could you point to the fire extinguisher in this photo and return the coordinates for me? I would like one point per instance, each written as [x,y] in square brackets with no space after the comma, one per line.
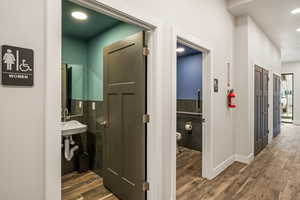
[231,95]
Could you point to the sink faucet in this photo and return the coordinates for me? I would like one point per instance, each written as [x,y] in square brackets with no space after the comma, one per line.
[66,115]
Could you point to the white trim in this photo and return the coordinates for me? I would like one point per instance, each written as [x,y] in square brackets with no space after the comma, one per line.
[207,143]
[239,158]
[221,167]
[52,108]
[53,99]
[277,74]
[244,159]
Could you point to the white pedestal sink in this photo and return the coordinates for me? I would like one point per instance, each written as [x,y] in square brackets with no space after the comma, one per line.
[72,127]
[68,129]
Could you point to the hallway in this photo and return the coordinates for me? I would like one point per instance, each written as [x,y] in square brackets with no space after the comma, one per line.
[274,174]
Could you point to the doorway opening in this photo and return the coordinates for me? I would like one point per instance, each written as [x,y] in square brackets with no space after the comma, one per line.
[287,98]
[189,116]
[104,106]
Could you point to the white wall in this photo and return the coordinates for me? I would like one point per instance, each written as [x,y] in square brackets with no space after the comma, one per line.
[22,145]
[22,108]
[294,67]
[241,115]
[211,23]
[259,50]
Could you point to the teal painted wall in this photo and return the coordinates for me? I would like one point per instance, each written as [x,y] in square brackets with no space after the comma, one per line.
[74,53]
[95,56]
[88,81]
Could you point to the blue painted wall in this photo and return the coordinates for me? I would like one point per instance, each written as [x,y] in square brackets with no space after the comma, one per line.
[95,56]
[74,53]
[189,76]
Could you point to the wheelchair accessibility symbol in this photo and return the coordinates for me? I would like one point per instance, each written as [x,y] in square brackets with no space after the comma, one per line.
[24,67]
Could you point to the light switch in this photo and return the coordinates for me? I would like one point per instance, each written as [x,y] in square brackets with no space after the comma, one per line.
[93,106]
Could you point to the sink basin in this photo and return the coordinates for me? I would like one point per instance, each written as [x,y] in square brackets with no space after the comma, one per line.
[72,127]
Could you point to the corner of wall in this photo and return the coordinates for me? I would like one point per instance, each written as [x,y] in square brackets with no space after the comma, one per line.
[244,159]
[221,167]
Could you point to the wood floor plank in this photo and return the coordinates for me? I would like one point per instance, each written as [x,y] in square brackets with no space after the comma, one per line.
[84,186]
[274,174]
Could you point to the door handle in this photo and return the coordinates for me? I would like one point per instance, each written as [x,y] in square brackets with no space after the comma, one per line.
[198,99]
[104,123]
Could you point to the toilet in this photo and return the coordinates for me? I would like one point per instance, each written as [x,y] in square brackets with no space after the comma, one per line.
[178,138]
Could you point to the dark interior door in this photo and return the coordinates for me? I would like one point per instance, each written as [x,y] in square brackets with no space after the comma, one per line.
[265,109]
[261,107]
[258,98]
[276,105]
[125,105]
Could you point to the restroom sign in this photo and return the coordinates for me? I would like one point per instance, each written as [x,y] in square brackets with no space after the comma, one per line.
[17,66]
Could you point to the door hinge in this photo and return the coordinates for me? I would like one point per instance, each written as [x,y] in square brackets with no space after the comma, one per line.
[203,120]
[146,51]
[146,118]
[146,186]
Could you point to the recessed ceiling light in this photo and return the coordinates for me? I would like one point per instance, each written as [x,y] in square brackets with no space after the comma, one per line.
[298,29]
[295,11]
[79,15]
[180,49]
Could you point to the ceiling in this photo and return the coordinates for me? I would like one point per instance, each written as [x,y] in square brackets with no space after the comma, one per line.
[275,19]
[187,50]
[84,29]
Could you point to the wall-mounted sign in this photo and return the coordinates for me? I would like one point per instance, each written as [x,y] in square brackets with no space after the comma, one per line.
[17,66]
[216,85]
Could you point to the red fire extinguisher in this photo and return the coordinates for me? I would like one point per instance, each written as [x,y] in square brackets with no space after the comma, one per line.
[231,95]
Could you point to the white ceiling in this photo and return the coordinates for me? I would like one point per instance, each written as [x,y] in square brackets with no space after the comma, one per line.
[275,19]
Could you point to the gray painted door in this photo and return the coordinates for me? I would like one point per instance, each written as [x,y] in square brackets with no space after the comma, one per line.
[125,104]
[276,105]
[258,97]
[265,109]
[261,129]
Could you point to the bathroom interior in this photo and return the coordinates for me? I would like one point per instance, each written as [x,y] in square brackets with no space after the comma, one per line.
[85,34]
[189,115]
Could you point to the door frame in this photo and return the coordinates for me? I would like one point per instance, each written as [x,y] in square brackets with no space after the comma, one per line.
[52,138]
[207,109]
[293,85]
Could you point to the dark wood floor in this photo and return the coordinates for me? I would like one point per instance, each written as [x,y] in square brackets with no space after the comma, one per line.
[85,186]
[274,174]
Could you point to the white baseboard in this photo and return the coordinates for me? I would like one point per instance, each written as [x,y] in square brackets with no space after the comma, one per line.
[221,167]
[239,158]
[244,159]
[296,123]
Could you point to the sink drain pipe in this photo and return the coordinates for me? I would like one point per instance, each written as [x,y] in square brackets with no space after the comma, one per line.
[69,153]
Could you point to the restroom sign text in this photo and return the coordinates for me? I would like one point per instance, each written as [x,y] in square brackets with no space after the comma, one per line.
[17,66]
